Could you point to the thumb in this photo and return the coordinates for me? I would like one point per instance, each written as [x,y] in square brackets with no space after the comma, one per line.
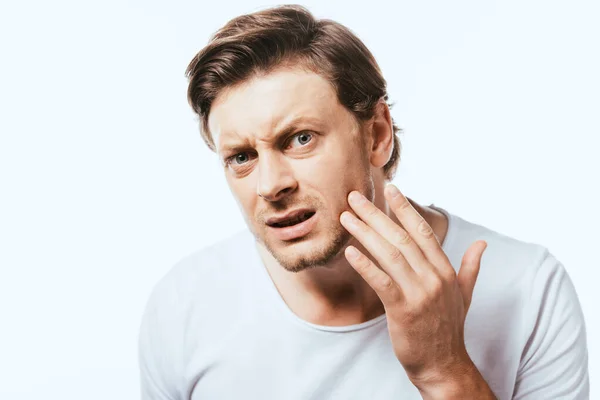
[469,269]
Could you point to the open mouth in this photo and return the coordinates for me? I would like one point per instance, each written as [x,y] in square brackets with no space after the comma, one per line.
[293,221]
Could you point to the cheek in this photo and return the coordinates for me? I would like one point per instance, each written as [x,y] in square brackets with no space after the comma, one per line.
[333,177]
[322,174]
[330,165]
[340,167]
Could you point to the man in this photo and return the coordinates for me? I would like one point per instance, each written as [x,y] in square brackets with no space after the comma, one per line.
[343,288]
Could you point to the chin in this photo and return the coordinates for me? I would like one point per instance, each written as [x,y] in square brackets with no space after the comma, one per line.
[314,250]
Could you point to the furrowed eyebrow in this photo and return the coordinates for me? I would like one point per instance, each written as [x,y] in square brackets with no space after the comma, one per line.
[292,126]
[234,147]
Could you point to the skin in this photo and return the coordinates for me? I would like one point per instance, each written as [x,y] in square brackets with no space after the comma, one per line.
[426,302]
[325,155]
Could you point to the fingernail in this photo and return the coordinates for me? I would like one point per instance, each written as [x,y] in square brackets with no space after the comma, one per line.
[352,252]
[347,218]
[393,190]
[355,197]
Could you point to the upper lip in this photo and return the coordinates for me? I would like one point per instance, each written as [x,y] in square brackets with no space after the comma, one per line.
[292,214]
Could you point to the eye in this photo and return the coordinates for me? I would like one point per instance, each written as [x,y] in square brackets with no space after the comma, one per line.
[302,137]
[238,159]
[241,158]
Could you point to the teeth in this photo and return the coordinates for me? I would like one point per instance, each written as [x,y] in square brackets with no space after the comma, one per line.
[293,221]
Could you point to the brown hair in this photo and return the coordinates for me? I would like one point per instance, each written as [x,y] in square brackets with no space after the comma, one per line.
[259,42]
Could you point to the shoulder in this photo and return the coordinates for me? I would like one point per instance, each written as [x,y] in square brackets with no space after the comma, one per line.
[197,300]
[506,260]
[201,290]
[203,273]
[525,312]
[523,285]
[513,272]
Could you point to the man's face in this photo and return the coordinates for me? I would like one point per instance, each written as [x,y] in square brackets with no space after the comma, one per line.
[289,145]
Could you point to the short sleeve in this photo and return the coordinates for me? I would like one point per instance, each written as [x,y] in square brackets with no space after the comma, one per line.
[554,362]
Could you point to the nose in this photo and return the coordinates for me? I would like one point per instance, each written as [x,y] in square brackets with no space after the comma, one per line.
[275,178]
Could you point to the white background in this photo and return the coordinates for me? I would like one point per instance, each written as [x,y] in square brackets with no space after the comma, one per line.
[105,182]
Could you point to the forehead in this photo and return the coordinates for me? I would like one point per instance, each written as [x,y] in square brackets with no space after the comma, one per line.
[259,107]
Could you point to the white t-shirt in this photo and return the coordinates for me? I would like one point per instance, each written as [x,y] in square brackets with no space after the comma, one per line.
[215,327]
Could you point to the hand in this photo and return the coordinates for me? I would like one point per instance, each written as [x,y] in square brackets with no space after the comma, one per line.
[426,302]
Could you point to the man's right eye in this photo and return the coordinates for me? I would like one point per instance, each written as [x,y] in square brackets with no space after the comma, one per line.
[237,159]
[241,158]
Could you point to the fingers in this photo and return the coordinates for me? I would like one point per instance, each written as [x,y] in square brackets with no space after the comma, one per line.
[388,256]
[385,287]
[375,219]
[418,228]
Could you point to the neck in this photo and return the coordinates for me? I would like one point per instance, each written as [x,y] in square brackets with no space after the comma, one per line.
[337,295]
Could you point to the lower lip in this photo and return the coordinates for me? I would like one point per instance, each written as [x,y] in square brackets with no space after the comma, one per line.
[295,231]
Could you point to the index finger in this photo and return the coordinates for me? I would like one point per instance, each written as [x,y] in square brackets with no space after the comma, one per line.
[416,226]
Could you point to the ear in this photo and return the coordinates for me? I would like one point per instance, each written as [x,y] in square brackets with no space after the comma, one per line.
[382,135]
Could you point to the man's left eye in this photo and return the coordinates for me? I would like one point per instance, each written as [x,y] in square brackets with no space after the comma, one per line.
[302,138]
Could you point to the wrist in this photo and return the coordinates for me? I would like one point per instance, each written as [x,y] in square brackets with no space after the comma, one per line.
[462,382]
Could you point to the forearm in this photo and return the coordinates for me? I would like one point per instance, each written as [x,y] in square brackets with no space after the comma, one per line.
[467,383]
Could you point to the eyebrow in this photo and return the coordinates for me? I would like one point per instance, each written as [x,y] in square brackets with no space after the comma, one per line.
[290,127]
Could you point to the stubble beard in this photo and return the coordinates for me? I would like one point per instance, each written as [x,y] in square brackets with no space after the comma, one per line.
[337,238]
